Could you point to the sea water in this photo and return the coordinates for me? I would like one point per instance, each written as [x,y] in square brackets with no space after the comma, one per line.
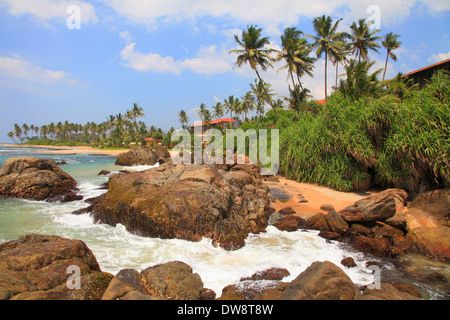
[115,248]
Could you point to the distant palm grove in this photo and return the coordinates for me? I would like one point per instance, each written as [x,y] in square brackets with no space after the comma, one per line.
[369,131]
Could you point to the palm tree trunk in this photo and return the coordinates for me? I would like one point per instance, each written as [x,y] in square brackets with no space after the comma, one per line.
[270,99]
[295,91]
[337,71]
[385,65]
[326,58]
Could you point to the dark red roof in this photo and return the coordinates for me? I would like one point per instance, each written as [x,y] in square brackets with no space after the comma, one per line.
[425,68]
[217,121]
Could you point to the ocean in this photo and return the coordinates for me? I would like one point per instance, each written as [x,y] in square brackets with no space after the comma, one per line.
[115,248]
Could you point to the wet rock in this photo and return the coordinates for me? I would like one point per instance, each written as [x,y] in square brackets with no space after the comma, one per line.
[268,274]
[336,222]
[36,179]
[286,211]
[290,223]
[187,202]
[317,222]
[348,262]
[386,292]
[321,281]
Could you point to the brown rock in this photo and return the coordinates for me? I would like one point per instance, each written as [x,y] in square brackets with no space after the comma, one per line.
[268,274]
[378,207]
[386,292]
[125,281]
[137,156]
[317,222]
[348,262]
[432,241]
[173,280]
[336,222]
[37,179]
[35,264]
[186,202]
[321,281]
[286,211]
[290,223]
[378,246]
[326,207]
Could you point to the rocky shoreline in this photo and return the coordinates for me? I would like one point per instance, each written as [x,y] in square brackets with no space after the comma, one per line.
[225,203]
[37,267]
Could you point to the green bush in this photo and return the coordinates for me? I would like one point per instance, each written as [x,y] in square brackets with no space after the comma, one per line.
[349,144]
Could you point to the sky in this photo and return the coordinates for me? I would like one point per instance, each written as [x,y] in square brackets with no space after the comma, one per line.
[82,61]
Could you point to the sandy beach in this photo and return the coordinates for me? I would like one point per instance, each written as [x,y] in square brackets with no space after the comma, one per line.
[70,150]
[306,199]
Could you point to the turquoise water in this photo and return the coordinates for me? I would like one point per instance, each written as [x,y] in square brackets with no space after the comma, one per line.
[115,248]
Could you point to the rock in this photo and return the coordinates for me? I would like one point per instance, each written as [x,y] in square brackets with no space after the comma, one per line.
[286,211]
[321,281]
[398,220]
[268,274]
[408,288]
[386,292]
[186,202]
[431,241]
[138,295]
[39,263]
[104,173]
[92,287]
[126,280]
[348,262]
[326,207]
[336,222]
[378,207]
[248,289]
[317,222]
[378,246]
[142,156]
[36,179]
[207,294]
[173,280]
[290,223]
[329,235]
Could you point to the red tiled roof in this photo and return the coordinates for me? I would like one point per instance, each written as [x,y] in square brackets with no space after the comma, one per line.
[217,121]
[323,101]
[153,139]
[425,68]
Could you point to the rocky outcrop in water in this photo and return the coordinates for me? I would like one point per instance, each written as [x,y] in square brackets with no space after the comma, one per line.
[36,179]
[187,202]
[143,156]
[34,267]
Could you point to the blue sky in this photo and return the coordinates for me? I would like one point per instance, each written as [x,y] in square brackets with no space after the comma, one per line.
[172,55]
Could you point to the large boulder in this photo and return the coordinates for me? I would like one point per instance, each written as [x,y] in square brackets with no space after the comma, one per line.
[378,207]
[321,281]
[143,156]
[173,280]
[37,267]
[186,202]
[36,179]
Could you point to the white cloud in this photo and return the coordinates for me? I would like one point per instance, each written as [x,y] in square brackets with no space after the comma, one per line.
[145,62]
[18,68]
[44,10]
[209,60]
[267,13]
[439,57]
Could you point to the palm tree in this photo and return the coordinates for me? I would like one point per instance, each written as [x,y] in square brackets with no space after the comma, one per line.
[327,40]
[259,90]
[11,136]
[218,110]
[296,53]
[231,105]
[248,103]
[254,53]
[202,111]
[359,82]
[18,131]
[183,118]
[363,40]
[390,42]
